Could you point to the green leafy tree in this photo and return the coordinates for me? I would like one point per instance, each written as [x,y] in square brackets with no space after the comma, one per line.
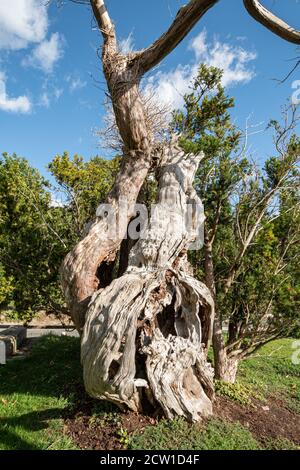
[36,233]
[84,185]
[32,240]
[205,126]
[252,226]
[6,287]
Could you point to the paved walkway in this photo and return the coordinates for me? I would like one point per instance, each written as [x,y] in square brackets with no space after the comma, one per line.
[38,332]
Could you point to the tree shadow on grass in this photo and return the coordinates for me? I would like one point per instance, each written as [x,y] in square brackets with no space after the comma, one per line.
[30,423]
[53,363]
[51,373]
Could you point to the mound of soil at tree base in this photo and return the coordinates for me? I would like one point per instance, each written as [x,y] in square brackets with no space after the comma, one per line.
[265,420]
[107,434]
[106,430]
[110,431]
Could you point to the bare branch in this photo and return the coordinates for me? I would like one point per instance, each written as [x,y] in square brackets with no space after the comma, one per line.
[185,20]
[216,222]
[259,343]
[104,22]
[272,22]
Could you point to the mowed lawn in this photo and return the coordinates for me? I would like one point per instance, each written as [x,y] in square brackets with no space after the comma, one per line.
[39,392]
[32,397]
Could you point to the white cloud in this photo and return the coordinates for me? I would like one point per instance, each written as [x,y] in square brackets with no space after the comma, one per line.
[57,92]
[233,60]
[126,45]
[22,22]
[45,100]
[50,92]
[199,44]
[75,83]
[46,54]
[56,200]
[21,104]
[170,87]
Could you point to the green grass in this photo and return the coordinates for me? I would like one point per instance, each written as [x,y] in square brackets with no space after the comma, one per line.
[271,372]
[237,392]
[36,393]
[32,398]
[281,444]
[179,435]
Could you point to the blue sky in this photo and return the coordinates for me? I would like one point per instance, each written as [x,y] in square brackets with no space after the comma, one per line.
[52,87]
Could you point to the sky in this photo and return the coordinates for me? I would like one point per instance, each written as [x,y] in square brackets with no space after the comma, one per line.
[52,90]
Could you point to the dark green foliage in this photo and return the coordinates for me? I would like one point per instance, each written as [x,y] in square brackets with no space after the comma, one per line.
[205,123]
[252,217]
[32,237]
[36,234]
[85,185]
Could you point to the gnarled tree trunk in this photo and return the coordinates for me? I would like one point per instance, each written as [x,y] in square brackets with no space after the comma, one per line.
[142,333]
[142,340]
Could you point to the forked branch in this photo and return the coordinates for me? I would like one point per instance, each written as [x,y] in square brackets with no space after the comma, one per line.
[185,20]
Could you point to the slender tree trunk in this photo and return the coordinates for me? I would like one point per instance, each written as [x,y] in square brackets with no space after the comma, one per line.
[214,331]
[210,282]
[226,365]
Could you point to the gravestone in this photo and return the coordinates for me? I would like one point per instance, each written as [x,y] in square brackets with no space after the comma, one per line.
[2,353]
[10,340]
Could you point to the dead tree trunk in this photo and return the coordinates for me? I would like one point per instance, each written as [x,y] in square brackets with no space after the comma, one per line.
[141,333]
[142,337]
[80,270]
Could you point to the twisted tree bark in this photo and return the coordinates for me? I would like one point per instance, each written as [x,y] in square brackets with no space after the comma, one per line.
[142,339]
[142,333]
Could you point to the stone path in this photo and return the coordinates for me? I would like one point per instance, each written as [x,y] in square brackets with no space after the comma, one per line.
[32,335]
[38,332]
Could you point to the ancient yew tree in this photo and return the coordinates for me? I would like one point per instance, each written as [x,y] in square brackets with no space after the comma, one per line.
[142,332]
